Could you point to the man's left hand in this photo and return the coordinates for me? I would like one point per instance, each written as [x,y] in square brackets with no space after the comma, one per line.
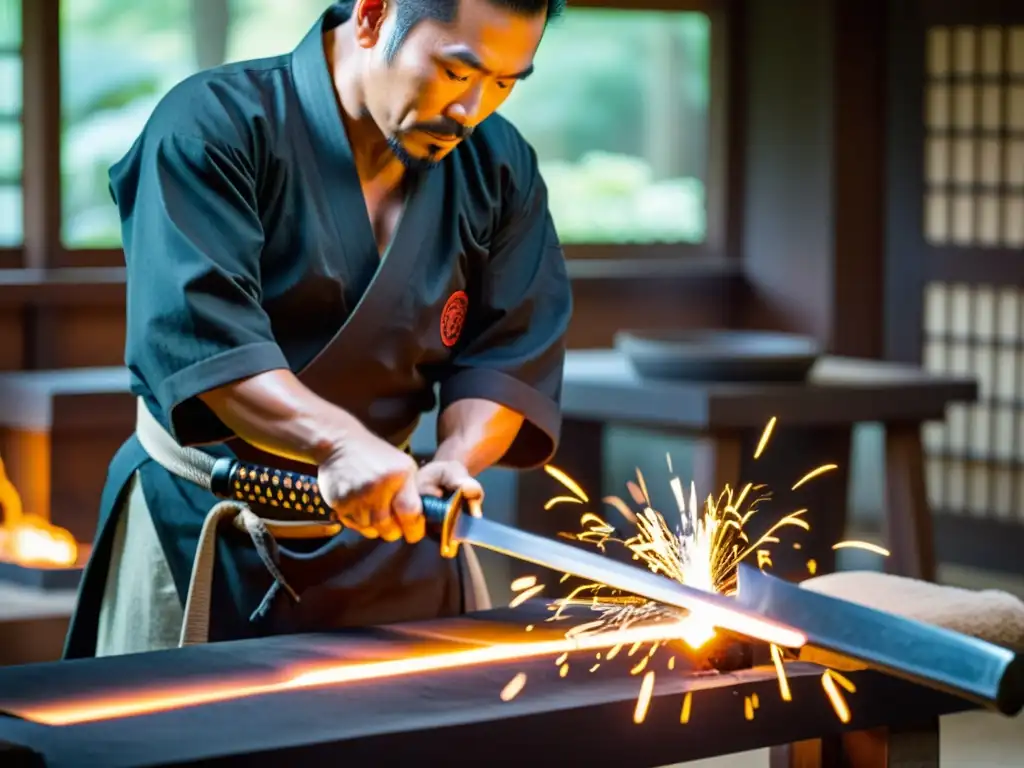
[441,478]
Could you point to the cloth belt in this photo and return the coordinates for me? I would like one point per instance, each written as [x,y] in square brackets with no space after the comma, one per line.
[196,466]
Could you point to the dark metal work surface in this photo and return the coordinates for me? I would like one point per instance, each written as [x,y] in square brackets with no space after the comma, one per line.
[987,674]
[453,717]
[602,386]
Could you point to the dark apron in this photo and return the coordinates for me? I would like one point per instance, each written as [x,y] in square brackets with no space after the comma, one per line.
[342,581]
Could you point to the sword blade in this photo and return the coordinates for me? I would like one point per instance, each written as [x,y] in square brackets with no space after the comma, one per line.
[922,653]
[717,610]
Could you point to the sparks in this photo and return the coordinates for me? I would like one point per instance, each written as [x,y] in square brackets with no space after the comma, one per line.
[814,473]
[525,595]
[765,436]
[643,700]
[865,545]
[835,696]
[567,481]
[684,715]
[702,548]
[780,671]
[513,687]
[523,582]
[556,500]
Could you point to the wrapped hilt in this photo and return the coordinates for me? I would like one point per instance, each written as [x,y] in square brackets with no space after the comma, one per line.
[298,497]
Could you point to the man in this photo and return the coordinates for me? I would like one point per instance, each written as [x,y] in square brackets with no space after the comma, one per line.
[313,242]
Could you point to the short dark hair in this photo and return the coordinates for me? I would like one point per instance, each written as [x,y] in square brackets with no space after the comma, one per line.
[412,12]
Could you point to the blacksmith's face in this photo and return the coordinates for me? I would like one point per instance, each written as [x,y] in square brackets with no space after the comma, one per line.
[443,79]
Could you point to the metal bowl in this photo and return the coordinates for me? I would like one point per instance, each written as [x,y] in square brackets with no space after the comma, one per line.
[719,355]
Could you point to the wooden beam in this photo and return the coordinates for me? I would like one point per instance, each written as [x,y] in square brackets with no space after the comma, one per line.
[812,211]
[41,116]
[42,163]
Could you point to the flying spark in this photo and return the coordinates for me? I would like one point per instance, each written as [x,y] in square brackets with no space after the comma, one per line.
[702,548]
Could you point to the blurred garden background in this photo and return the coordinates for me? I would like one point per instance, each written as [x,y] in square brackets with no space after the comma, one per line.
[617,109]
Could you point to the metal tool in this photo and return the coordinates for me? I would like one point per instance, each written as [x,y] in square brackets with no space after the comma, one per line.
[299,496]
[978,671]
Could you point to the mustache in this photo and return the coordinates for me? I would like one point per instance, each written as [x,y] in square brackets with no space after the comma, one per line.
[445,127]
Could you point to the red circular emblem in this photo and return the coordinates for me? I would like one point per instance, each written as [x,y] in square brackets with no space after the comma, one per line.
[453,317]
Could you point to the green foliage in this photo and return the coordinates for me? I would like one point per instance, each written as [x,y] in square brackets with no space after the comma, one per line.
[601,79]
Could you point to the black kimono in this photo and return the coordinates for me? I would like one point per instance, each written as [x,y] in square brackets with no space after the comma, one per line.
[249,249]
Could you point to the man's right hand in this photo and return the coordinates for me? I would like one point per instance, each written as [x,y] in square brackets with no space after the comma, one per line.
[372,486]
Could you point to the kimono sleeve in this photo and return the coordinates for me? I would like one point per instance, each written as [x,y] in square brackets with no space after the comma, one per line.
[514,342]
[192,240]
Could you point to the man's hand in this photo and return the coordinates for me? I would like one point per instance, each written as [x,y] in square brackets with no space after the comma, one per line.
[372,486]
[441,478]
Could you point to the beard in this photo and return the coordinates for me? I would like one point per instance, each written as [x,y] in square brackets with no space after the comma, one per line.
[411,163]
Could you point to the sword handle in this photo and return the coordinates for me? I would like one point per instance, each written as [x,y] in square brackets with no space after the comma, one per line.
[299,494]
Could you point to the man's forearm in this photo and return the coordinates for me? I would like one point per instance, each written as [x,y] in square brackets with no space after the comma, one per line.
[476,433]
[278,414]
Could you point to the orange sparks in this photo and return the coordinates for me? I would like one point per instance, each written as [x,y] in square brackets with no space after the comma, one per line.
[563,670]
[845,682]
[640,666]
[643,488]
[567,481]
[555,500]
[621,508]
[815,473]
[764,559]
[812,567]
[765,436]
[780,671]
[513,687]
[671,663]
[748,708]
[635,492]
[828,682]
[643,700]
[595,667]
[684,715]
[865,545]
[522,597]
[561,659]
[523,582]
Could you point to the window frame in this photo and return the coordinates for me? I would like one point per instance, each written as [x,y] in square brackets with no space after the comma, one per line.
[43,247]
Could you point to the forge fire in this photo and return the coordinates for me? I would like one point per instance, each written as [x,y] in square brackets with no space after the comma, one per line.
[30,540]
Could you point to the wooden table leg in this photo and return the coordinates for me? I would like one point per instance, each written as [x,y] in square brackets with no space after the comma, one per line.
[908,518]
[905,747]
